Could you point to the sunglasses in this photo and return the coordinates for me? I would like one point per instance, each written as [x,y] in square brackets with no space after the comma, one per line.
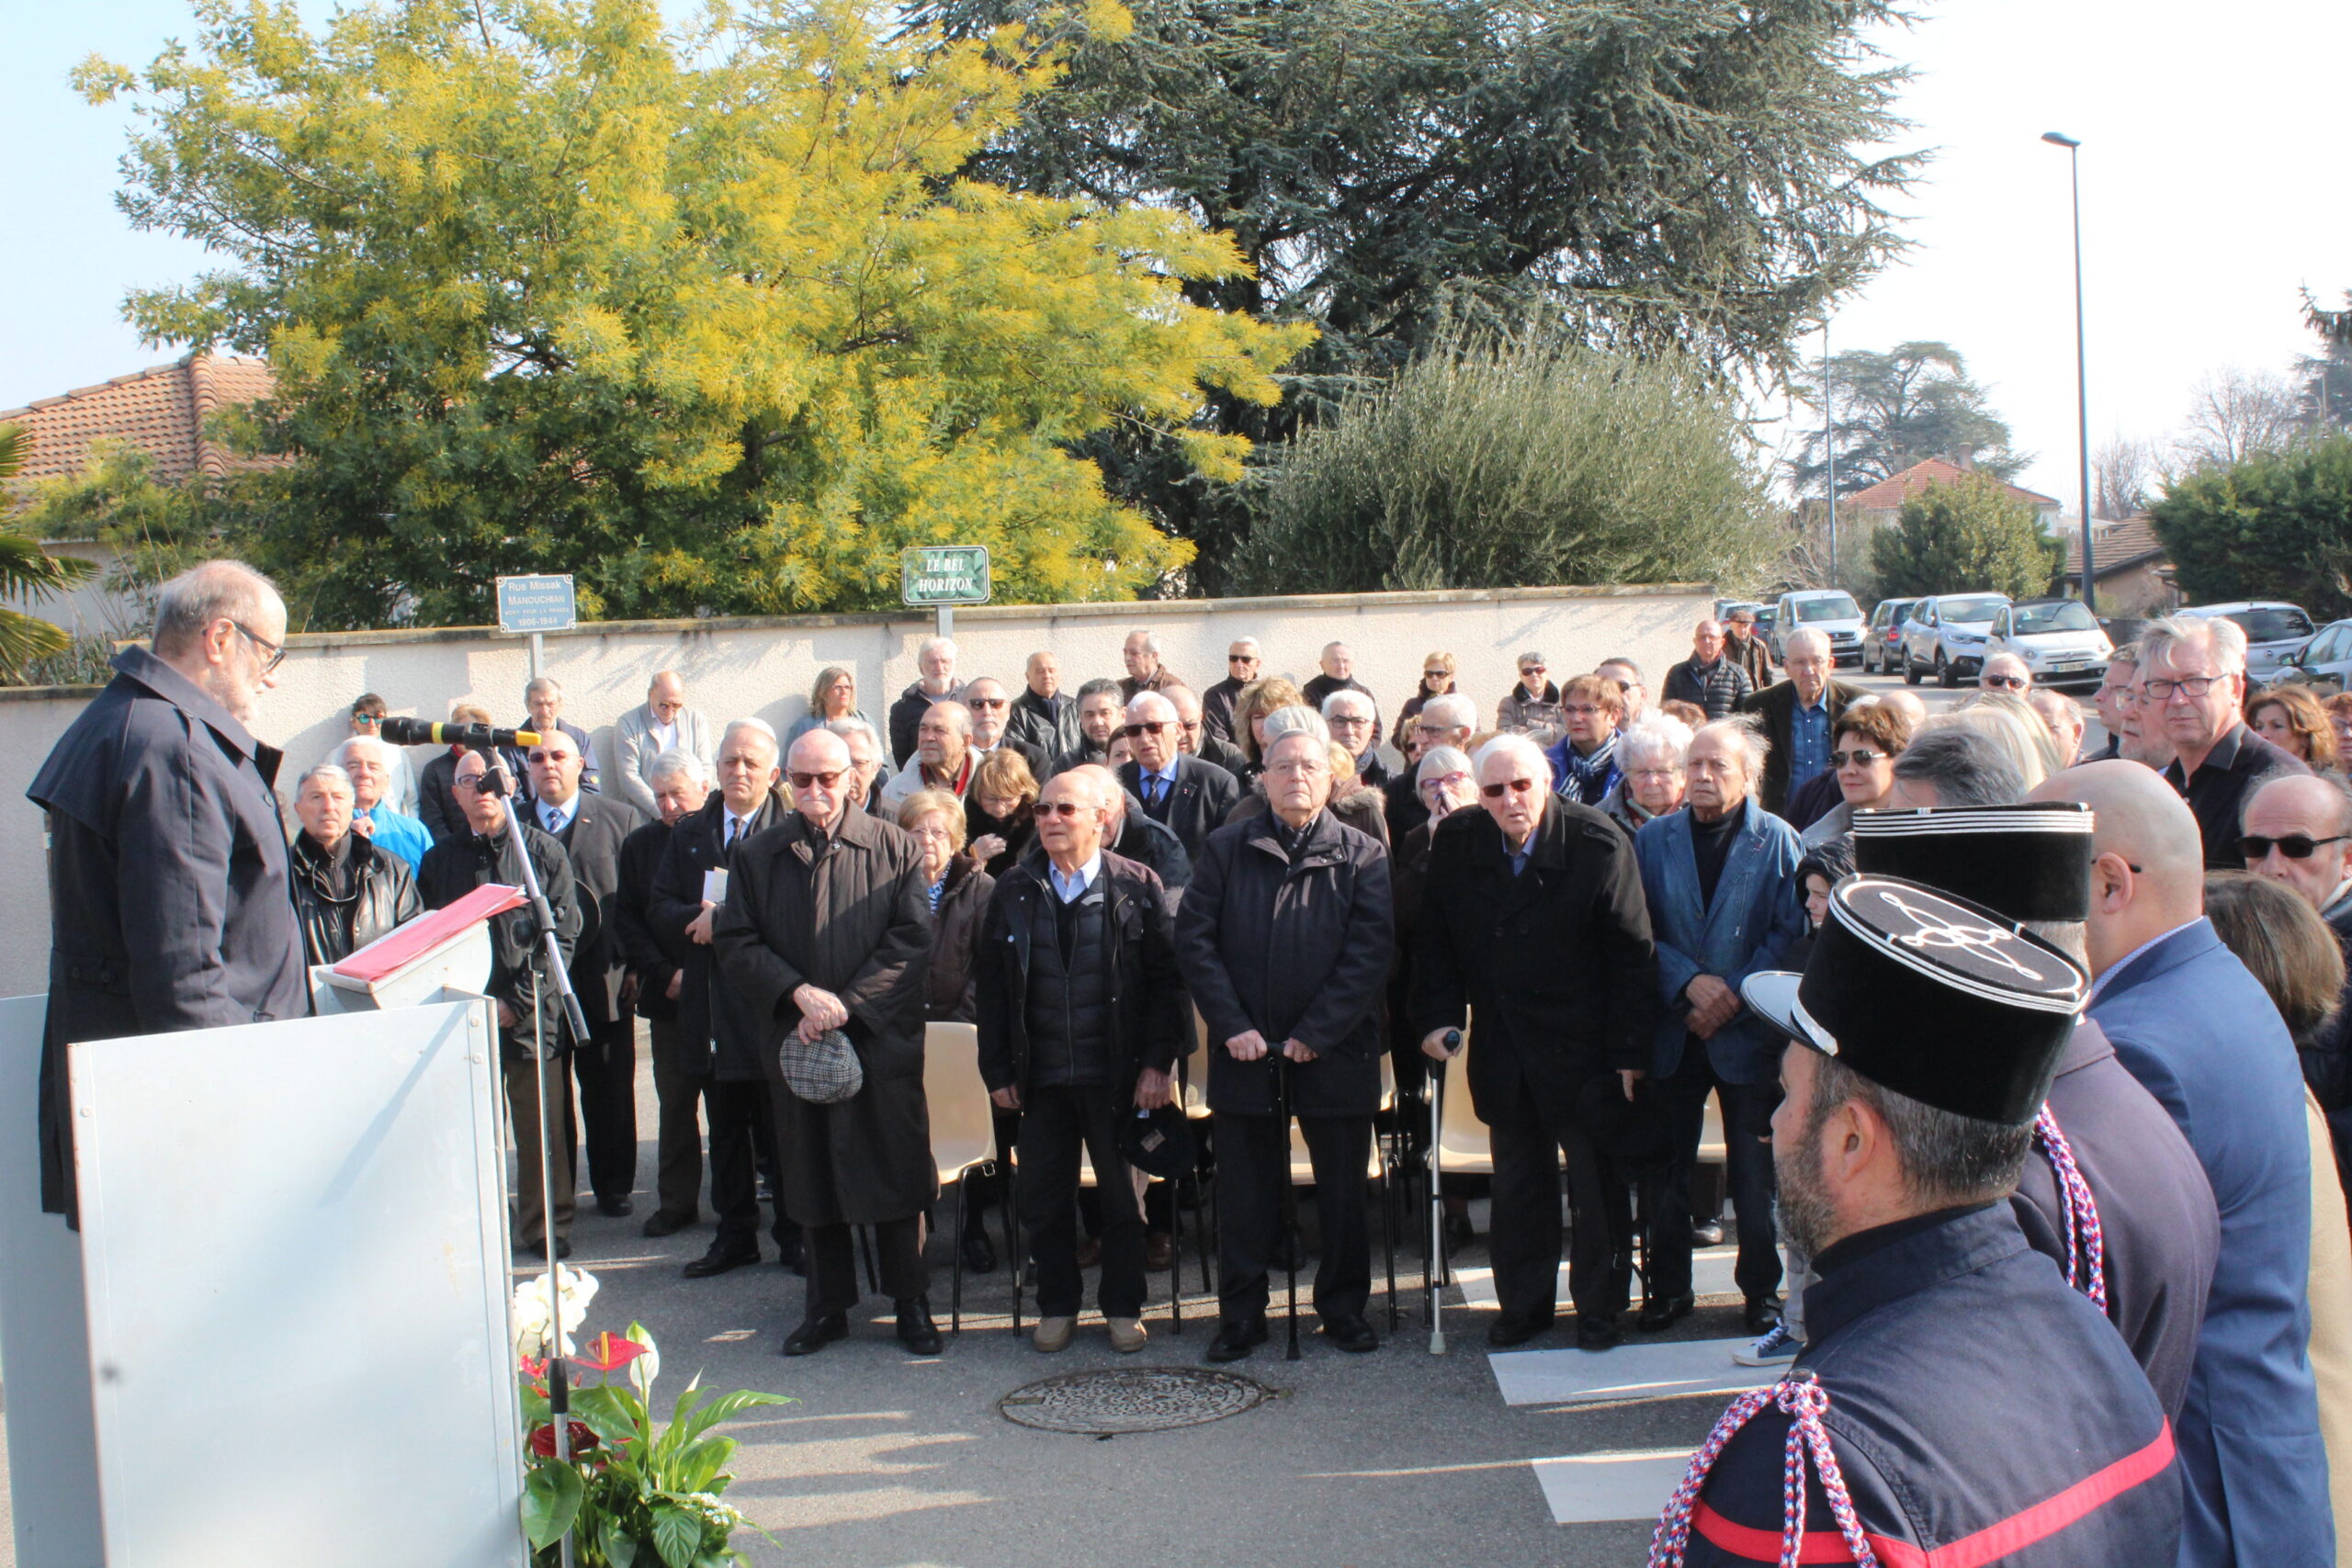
[1437,674]
[1059,809]
[2002,683]
[2294,846]
[986,702]
[1241,659]
[816,780]
[1516,787]
[370,719]
[1531,669]
[1860,756]
[1152,727]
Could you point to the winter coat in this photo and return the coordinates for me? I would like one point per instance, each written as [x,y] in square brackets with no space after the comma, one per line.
[1774,708]
[641,955]
[456,868]
[1050,723]
[382,895]
[717,1030]
[955,928]
[1202,798]
[594,837]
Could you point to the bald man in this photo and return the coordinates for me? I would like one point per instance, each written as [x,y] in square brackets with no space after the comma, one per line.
[2298,832]
[664,724]
[2200,1033]
[1184,794]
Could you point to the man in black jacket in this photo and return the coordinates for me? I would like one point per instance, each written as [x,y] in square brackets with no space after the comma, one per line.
[936,658]
[652,988]
[347,892]
[1444,720]
[167,861]
[1799,718]
[530,1050]
[2193,668]
[1184,794]
[1284,940]
[984,697]
[591,828]
[1082,1017]
[1043,716]
[1533,919]
[721,1042]
[1100,710]
[1241,660]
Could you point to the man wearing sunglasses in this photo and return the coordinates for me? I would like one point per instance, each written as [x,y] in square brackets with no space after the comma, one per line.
[1241,657]
[1188,797]
[169,902]
[990,705]
[2192,671]
[2006,672]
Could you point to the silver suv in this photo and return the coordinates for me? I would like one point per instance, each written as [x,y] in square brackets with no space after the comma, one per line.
[1945,635]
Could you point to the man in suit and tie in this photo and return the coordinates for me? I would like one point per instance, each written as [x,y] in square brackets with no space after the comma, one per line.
[642,734]
[1190,797]
[591,828]
[1798,717]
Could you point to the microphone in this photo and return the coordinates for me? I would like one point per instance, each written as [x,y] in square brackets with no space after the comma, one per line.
[421,732]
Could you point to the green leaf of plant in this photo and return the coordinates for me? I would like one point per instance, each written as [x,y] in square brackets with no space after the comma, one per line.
[722,1407]
[700,1464]
[551,1497]
[677,1536]
[618,1545]
[611,1411]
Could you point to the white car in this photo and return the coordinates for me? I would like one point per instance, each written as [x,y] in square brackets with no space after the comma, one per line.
[1829,611]
[2273,630]
[1945,635]
[2059,639]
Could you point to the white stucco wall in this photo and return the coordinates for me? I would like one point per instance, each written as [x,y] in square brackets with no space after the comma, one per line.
[765,667]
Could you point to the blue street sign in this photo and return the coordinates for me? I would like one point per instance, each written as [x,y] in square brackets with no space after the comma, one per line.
[537,604]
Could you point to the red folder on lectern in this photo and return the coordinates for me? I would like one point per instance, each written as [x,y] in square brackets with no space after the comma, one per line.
[401,946]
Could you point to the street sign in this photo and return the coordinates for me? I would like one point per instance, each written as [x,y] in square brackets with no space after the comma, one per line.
[944,574]
[537,605]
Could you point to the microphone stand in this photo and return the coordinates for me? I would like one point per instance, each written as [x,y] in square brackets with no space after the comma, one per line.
[543,920]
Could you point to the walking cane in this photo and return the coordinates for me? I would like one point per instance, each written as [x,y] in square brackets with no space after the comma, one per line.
[1452,1042]
[1289,1191]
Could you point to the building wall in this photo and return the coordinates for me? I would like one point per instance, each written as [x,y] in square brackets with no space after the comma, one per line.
[763,668]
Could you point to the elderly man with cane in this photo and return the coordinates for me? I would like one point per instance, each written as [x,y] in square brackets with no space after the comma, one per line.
[1284,939]
[826,934]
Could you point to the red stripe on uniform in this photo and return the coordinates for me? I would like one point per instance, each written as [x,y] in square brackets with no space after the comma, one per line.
[1989,1545]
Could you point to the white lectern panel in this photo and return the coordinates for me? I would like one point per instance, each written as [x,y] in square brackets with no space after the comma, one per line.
[52,1454]
[295,1254]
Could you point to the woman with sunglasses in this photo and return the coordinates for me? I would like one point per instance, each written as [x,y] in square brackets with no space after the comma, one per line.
[2291,718]
[1862,750]
[1437,680]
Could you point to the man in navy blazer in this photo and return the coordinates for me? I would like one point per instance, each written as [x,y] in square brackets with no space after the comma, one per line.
[2193,1025]
[1721,880]
[1189,797]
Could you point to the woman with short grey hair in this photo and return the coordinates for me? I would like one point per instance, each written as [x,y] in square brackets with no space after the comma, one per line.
[1650,751]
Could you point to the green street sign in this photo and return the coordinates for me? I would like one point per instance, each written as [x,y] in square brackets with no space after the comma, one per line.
[944,574]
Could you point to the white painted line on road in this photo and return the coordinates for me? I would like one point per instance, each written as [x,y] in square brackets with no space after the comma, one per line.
[1589,1488]
[1650,1370]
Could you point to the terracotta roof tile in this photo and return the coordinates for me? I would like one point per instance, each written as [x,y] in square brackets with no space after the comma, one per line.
[1889,494]
[161,410]
[2114,545]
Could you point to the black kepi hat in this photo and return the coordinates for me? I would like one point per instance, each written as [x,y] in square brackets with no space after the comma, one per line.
[1157,1143]
[1937,998]
[2030,862]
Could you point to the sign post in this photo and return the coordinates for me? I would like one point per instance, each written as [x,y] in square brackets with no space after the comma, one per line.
[537,605]
[943,576]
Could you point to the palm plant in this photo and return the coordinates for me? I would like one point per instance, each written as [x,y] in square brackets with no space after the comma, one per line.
[28,572]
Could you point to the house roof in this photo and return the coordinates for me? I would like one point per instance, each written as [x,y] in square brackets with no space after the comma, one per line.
[162,410]
[1889,494]
[2114,546]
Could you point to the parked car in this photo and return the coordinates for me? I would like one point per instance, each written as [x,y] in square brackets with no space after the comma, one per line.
[2273,629]
[1945,635]
[2324,663]
[1765,619]
[1882,640]
[1829,611]
[1723,607]
[2059,639]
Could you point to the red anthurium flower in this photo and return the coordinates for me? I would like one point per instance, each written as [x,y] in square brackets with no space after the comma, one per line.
[535,1366]
[608,1352]
[543,1439]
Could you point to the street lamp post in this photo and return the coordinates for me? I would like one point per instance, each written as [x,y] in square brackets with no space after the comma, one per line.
[2082,385]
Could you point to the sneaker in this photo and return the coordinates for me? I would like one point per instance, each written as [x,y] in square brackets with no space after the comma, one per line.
[1774,1346]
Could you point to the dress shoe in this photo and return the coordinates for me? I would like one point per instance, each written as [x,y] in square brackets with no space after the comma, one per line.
[1352,1334]
[1159,1252]
[720,1259]
[1665,1311]
[916,1331]
[562,1248]
[1052,1335]
[980,1253]
[619,1208]
[659,1224]
[1235,1337]
[1128,1335]
[815,1333]
[1707,1233]
[1761,1315]
[1507,1330]
[1090,1252]
[1598,1333]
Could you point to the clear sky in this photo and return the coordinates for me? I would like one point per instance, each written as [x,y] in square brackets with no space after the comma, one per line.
[2211,192]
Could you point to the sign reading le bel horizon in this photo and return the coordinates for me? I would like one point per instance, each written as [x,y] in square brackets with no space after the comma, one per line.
[537,604]
[944,574]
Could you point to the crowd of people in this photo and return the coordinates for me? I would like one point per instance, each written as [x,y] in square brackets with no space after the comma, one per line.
[2030,1066]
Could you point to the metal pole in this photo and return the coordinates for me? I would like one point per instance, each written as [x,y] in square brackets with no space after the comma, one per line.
[2082,363]
[1829,442]
[537,648]
[947,620]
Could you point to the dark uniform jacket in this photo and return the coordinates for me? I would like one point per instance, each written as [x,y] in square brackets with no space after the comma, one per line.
[1555,961]
[1296,944]
[2239,763]
[1775,709]
[2156,1212]
[456,868]
[1198,803]
[2199,1032]
[1049,724]
[641,954]
[168,902]
[719,1032]
[1146,1004]
[850,915]
[593,837]
[1979,1411]
[378,894]
[955,932]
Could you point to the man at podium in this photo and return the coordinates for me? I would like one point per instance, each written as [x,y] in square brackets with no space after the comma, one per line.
[168,894]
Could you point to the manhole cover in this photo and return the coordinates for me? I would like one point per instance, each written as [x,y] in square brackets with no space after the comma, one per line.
[1142,1399]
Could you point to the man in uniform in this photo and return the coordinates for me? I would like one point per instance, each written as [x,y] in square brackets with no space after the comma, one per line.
[1957,1401]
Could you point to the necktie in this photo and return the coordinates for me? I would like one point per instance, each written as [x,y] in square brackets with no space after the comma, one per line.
[734,830]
